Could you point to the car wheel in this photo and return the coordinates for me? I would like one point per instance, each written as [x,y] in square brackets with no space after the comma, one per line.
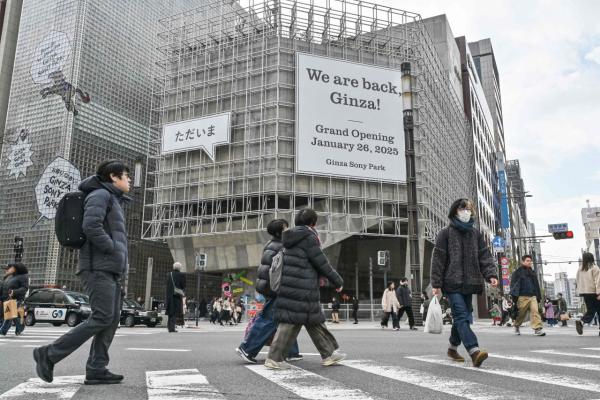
[57,323]
[30,320]
[73,320]
[130,321]
[151,325]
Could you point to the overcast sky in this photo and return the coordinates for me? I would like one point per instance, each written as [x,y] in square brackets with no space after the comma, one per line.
[548,55]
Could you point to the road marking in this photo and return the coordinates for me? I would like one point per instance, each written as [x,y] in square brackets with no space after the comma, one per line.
[565,353]
[148,349]
[22,341]
[63,387]
[453,386]
[540,377]
[546,361]
[304,354]
[309,385]
[187,384]
[591,348]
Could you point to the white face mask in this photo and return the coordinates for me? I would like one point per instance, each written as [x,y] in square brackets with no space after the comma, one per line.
[464,216]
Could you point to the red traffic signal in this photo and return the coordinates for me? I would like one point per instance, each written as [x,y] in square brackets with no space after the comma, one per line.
[563,235]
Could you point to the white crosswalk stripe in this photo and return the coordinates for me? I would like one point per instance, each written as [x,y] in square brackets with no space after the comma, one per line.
[591,348]
[63,387]
[566,353]
[309,385]
[540,377]
[456,387]
[547,361]
[180,384]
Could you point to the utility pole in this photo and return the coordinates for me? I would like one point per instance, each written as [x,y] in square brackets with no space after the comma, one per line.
[148,300]
[411,178]
[371,285]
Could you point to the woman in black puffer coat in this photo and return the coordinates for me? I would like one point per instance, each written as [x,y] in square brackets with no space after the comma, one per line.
[264,325]
[14,286]
[298,300]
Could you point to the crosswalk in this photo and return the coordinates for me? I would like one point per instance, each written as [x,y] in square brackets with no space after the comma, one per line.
[39,336]
[430,376]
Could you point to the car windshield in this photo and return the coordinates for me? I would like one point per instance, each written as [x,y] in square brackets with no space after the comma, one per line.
[132,303]
[82,298]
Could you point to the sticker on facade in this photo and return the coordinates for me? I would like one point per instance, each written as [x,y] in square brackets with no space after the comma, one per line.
[201,133]
[349,119]
[50,56]
[19,157]
[59,178]
[47,70]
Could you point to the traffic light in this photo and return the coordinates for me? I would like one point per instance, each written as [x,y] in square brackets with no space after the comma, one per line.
[563,235]
[381,259]
[200,261]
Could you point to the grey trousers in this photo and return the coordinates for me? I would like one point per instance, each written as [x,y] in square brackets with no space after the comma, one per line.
[287,333]
[104,290]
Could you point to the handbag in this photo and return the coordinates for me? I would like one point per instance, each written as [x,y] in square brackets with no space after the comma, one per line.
[564,317]
[10,310]
[176,291]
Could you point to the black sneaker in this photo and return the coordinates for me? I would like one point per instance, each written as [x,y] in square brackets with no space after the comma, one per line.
[579,327]
[44,367]
[244,356]
[539,332]
[103,378]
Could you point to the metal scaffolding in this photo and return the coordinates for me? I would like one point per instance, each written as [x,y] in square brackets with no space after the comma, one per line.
[240,57]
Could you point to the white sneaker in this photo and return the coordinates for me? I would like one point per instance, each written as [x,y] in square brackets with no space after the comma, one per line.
[272,364]
[333,359]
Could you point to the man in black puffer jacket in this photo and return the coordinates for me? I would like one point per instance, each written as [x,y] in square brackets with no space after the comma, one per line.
[264,326]
[102,267]
[298,300]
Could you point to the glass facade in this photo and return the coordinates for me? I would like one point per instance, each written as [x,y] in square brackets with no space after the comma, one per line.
[81,90]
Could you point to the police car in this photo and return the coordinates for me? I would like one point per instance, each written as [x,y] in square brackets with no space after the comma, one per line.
[57,307]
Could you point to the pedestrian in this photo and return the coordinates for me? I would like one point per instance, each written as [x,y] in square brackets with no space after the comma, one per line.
[102,267]
[226,312]
[239,309]
[505,311]
[424,304]
[404,296]
[355,306]
[525,290]
[461,261]
[563,311]
[335,311]
[588,287]
[14,286]
[175,286]
[390,306]
[298,300]
[264,326]
[549,312]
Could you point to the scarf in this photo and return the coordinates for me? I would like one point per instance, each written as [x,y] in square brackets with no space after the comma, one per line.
[462,226]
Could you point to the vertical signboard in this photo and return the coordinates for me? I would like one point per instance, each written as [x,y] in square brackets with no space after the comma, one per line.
[349,119]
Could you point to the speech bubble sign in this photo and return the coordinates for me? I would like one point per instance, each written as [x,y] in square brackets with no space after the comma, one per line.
[50,56]
[59,178]
[19,157]
[201,133]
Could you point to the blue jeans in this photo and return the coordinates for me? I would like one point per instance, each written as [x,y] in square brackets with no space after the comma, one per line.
[19,327]
[263,329]
[462,315]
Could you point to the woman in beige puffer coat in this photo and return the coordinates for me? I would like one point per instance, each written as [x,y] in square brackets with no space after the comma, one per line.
[588,287]
[390,306]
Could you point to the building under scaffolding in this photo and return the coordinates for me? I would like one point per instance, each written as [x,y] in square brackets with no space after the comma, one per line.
[240,58]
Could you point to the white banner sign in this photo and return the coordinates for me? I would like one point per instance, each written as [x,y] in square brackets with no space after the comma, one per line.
[19,158]
[201,133]
[349,119]
[58,179]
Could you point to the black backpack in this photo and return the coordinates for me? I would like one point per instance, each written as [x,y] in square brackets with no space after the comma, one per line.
[68,222]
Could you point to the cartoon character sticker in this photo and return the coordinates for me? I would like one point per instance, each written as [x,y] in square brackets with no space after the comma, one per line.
[47,70]
[19,157]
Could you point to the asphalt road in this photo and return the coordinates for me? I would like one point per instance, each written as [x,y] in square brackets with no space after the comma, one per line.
[381,364]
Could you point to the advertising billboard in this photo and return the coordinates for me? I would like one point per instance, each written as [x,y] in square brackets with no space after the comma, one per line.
[349,120]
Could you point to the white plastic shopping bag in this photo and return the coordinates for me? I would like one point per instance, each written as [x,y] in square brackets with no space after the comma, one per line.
[434,322]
